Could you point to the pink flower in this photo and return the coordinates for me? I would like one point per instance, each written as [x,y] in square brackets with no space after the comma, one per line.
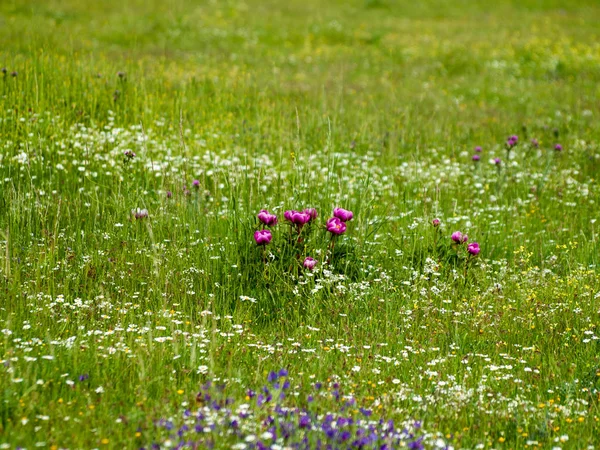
[140,213]
[309,263]
[476,158]
[343,214]
[297,218]
[267,218]
[196,184]
[473,248]
[262,237]
[459,238]
[336,226]
[436,222]
[312,212]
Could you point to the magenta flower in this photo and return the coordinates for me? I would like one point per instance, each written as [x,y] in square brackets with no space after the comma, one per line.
[512,141]
[288,215]
[267,218]
[312,212]
[262,237]
[129,154]
[476,158]
[473,248]
[436,222]
[309,263]
[558,147]
[478,149]
[196,184]
[343,214]
[169,194]
[497,161]
[335,226]
[297,218]
[535,143]
[458,237]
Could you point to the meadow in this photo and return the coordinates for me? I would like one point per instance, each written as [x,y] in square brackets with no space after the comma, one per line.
[147,302]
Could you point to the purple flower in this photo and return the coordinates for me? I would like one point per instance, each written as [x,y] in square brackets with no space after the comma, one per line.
[196,184]
[476,158]
[272,377]
[512,141]
[497,161]
[312,212]
[459,238]
[436,222]
[336,226]
[262,237]
[297,218]
[169,194]
[267,218]
[309,263]
[473,248]
[343,214]
[558,148]
[129,154]
[478,149]
[283,373]
[535,143]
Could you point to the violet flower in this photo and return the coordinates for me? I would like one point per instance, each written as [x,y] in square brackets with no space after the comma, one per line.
[312,212]
[558,148]
[473,248]
[343,214]
[262,237]
[476,158]
[267,218]
[309,263]
[297,218]
[459,238]
[436,222]
[335,226]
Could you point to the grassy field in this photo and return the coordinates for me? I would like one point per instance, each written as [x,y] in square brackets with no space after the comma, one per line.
[138,143]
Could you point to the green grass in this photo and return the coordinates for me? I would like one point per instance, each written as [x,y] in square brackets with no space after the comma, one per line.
[375,106]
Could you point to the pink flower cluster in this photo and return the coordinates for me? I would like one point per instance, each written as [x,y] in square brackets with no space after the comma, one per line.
[459,238]
[336,225]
